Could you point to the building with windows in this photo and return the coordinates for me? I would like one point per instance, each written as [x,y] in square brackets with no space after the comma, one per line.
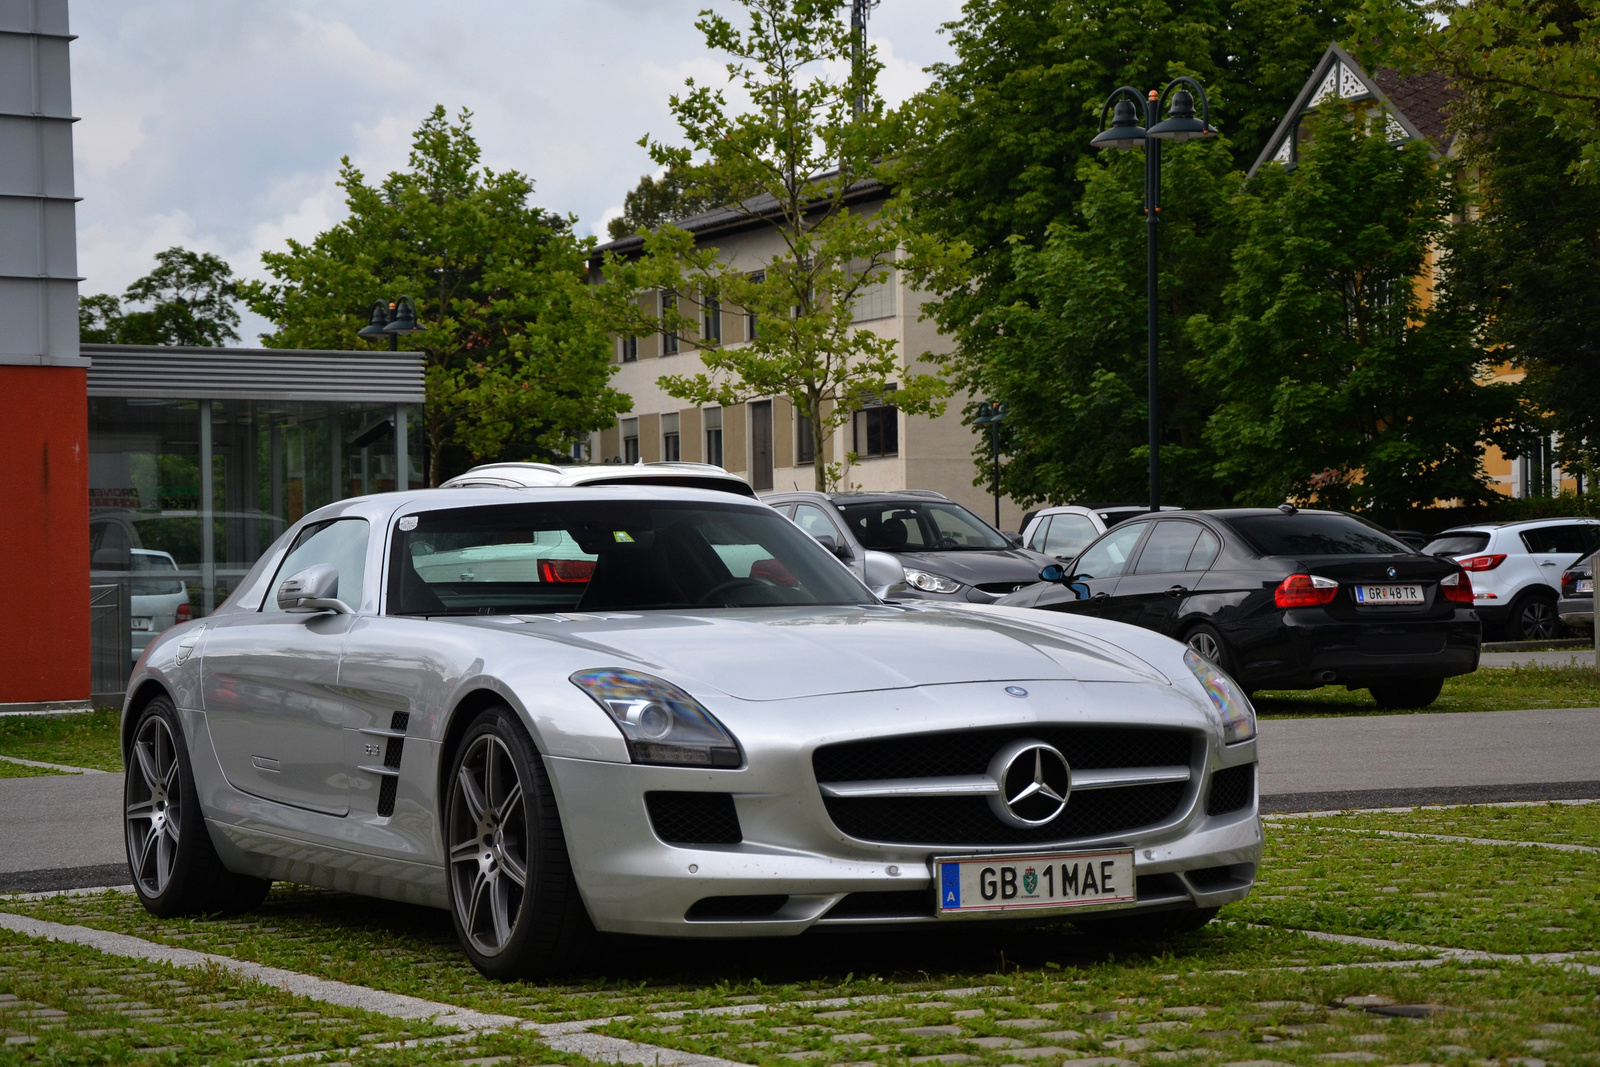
[763,440]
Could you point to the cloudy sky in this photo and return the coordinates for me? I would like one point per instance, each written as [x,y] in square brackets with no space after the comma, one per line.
[218,124]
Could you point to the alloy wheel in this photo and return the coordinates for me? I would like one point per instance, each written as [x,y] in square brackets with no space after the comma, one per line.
[1206,645]
[154,799]
[1539,621]
[489,844]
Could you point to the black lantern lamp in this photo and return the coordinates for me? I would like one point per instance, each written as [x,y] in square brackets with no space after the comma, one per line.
[391,318]
[1182,125]
[1124,131]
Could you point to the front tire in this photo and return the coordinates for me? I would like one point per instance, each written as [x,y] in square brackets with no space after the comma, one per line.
[174,865]
[1411,693]
[513,898]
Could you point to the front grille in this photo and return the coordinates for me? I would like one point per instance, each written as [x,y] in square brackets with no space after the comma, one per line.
[1231,789]
[748,907]
[896,904]
[1002,588]
[968,820]
[694,818]
[1201,877]
[960,820]
[969,752]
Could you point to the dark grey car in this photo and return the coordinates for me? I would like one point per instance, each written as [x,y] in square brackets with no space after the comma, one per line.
[948,552]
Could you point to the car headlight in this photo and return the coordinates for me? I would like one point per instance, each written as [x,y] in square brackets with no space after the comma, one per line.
[931,583]
[1238,717]
[661,723]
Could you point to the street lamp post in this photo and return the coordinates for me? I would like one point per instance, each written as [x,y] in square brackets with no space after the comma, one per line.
[1126,133]
[391,318]
[990,414]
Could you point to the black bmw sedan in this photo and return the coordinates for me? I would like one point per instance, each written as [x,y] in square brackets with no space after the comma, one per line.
[1281,599]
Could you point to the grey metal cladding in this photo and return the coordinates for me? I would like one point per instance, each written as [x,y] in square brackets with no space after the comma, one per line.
[255,374]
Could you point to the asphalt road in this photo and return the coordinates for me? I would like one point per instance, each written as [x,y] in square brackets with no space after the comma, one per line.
[66,832]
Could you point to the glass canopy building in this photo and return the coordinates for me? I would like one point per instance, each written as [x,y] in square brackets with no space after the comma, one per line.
[200,458]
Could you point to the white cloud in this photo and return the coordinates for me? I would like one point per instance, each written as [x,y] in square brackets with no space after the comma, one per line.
[218,124]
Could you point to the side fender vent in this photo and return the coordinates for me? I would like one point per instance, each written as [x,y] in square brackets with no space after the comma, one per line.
[391,758]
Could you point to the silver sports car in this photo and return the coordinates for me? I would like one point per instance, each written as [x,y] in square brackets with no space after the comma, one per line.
[668,711]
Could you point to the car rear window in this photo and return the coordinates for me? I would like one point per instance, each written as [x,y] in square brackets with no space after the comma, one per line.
[1456,544]
[1569,538]
[1317,534]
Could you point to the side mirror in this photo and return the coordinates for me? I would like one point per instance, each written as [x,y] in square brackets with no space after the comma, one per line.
[1079,589]
[1013,539]
[883,572]
[314,589]
[1053,573]
[827,541]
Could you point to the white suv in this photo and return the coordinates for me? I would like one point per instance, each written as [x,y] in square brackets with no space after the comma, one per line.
[1516,569]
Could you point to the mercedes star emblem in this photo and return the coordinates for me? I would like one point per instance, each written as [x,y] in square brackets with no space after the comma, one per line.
[1034,782]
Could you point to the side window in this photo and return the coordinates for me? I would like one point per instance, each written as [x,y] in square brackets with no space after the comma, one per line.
[341,542]
[814,521]
[1205,551]
[1540,540]
[1040,532]
[1108,557]
[1068,535]
[1572,539]
[1168,549]
[1591,537]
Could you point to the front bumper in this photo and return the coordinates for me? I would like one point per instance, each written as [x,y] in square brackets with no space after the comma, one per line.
[1304,648]
[633,882]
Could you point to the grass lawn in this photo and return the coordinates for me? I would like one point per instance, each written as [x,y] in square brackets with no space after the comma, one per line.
[1250,987]
[21,770]
[1487,689]
[87,740]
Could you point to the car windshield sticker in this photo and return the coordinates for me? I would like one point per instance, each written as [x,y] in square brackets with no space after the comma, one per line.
[408,523]
[623,537]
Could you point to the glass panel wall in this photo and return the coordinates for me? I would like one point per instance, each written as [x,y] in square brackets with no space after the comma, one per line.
[196,490]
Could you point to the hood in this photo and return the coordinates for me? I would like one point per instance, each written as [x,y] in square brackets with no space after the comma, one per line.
[781,653]
[979,566]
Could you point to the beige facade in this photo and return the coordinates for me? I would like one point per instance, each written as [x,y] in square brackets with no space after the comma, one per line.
[761,439]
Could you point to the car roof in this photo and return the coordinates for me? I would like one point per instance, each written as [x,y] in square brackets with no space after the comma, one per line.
[547,475]
[1491,527]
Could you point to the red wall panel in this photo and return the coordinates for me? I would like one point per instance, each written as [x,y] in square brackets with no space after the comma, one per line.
[44,534]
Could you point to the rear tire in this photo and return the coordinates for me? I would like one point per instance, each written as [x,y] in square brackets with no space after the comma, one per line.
[1205,640]
[174,866]
[1411,693]
[1533,618]
[513,898]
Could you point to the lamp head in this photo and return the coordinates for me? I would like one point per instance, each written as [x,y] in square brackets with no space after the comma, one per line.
[379,319]
[1181,125]
[1124,132]
[405,317]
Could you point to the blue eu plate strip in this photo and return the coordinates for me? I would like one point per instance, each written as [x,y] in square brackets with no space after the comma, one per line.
[950,885]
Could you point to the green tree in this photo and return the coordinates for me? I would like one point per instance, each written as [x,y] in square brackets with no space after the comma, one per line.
[518,359]
[657,200]
[1070,364]
[1341,378]
[1001,138]
[789,164]
[189,299]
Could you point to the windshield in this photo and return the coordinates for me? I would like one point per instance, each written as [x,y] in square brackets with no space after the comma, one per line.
[1456,544]
[906,526]
[516,559]
[1309,533]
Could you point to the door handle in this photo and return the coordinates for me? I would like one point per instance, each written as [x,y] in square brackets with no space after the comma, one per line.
[1548,563]
[1177,591]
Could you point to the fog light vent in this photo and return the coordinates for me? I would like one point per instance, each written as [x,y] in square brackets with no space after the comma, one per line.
[711,909]
[1231,789]
[694,818]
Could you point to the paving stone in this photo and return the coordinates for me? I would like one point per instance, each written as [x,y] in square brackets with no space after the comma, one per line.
[485,1061]
[812,1054]
[932,1031]
[1041,1053]
[1279,1005]
[1353,1057]
[1102,1061]
[1169,1024]
[1367,1039]
[1178,1054]
[836,1015]
[1105,1016]
[1127,1044]
[1409,1011]
[997,1042]
[948,1057]
[1027,1024]
[1541,1044]
[1061,1035]
[1256,1063]
[1367,1001]
[969,1013]
[855,1039]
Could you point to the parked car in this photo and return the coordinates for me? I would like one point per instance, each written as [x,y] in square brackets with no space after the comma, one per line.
[547,475]
[948,552]
[1576,606]
[1108,514]
[1516,570]
[719,733]
[1062,532]
[1281,599]
[158,597]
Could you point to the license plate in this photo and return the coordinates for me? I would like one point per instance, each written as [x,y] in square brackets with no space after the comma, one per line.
[1043,881]
[141,624]
[1586,585]
[1388,594]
